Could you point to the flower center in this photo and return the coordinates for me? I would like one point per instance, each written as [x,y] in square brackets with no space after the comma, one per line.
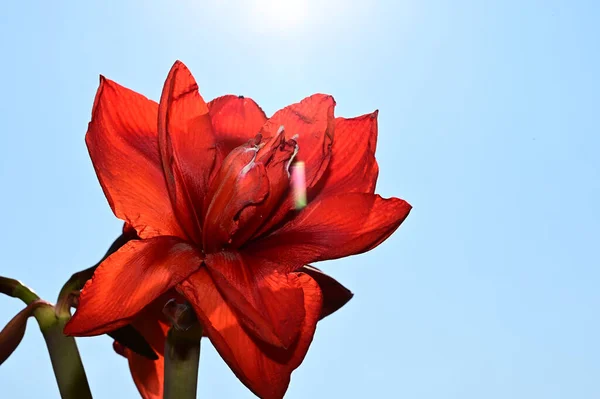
[248,188]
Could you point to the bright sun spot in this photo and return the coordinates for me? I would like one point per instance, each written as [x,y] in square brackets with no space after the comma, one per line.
[279,15]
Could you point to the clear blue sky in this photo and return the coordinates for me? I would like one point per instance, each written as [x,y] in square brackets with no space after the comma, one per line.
[489,127]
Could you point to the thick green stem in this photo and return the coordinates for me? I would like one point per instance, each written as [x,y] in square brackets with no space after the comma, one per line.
[182,357]
[64,355]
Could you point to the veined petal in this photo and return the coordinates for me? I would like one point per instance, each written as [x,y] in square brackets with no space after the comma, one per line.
[265,370]
[331,228]
[130,279]
[335,295]
[148,374]
[312,120]
[269,305]
[353,167]
[123,144]
[187,147]
[235,120]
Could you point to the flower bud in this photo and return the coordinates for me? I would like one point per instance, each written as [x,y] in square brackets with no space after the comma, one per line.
[13,332]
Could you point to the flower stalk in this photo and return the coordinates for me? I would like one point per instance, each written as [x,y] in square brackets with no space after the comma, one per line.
[64,355]
[182,358]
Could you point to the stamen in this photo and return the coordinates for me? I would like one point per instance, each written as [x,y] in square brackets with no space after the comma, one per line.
[250,165]
[289,162]
[299,185]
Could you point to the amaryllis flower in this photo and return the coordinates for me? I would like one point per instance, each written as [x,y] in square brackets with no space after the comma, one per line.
[207,189]
[147,369]
[148,372]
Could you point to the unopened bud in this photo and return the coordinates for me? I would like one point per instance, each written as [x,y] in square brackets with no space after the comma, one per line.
[13,332]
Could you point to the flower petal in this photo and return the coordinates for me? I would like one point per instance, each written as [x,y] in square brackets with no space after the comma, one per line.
[148,374]
[130,279]
[353,167]
[332,228]
[187,147]
[265,370]
[123,144]
[313,122]
[235,120]
[335,295]
[270,306]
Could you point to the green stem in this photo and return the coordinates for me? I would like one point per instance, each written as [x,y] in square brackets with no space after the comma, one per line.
[182,357]
[64,355]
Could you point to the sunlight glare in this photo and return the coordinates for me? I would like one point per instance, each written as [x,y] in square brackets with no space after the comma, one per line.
[279,15]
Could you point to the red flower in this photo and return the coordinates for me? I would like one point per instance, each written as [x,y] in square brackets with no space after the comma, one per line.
[148,373]
[206,187]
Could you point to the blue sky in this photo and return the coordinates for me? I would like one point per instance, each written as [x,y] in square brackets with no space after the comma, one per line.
[488,126]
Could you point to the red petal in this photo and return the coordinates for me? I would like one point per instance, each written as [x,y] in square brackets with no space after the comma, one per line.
[264,369]
[123,144]
[271,305]
[129,232]
[187,146]
[353,167]
[313,121]
[119,348]
[128,280]
[335,295]
[235,120]
[147,374]
[332,228]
